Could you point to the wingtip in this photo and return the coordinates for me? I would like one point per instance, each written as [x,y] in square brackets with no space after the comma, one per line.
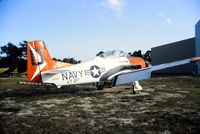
[195,59]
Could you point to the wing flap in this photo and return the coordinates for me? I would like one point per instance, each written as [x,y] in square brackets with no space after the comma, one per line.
[136,75]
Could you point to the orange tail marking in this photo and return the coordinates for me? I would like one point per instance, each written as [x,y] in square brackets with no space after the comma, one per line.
[39,60]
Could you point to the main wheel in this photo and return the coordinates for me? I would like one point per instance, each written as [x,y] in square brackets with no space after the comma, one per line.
[136,91]
[100,85]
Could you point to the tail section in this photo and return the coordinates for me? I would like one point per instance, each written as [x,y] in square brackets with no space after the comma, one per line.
[38,60]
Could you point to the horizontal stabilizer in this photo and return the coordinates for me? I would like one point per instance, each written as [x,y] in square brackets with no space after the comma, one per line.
[55,71]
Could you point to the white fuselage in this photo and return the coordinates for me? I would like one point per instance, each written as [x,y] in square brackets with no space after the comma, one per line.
[88,72]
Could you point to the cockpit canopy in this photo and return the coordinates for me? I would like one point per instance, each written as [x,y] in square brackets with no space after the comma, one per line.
[111,54]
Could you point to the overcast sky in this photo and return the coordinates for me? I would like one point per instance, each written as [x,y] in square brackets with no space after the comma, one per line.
[82,28]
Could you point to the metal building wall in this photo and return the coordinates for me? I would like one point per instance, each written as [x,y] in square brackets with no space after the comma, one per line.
[175,51]
[197,37]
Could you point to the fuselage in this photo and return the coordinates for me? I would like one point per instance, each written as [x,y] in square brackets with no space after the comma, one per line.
[87,72]
[42,69]
[110,65]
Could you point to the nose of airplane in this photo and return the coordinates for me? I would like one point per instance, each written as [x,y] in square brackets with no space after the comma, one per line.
[137,61]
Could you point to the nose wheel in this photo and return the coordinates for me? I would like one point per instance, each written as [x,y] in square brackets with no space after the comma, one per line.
[137,89]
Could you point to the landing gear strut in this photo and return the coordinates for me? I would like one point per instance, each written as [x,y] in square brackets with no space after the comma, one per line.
[99,85]
[136,87]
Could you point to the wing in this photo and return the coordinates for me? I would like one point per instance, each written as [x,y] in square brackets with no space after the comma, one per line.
[141,74]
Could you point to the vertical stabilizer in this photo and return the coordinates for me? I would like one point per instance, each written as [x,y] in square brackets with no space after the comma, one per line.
[38,60]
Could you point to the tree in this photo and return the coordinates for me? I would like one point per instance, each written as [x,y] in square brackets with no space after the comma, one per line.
[23,48]
[147,56]
[68,60]
[54,59]
[14,57]
[99,53]
[136,54]
[71,60]
[12,53]
[10,50]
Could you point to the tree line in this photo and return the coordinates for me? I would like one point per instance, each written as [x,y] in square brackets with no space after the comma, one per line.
[146,56]
[15,57]
[68,60]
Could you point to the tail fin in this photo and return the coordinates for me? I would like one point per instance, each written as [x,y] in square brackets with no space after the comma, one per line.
[38,60]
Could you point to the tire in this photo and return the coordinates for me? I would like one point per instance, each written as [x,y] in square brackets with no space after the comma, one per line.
[100,85]
[137,91]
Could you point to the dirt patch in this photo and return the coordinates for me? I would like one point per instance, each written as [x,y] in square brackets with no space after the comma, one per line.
[166,105]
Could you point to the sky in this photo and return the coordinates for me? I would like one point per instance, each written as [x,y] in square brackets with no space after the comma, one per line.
[82,28]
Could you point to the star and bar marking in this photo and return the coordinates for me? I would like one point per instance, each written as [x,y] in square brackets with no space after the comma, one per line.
[95,71]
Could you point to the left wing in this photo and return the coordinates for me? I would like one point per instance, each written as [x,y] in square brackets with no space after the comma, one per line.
[141,74]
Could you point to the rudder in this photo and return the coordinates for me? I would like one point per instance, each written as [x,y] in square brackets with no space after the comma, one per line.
[38,60]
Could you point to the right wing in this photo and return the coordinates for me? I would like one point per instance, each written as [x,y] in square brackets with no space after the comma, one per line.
[141,74]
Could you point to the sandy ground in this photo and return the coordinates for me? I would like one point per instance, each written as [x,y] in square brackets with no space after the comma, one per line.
[167,105]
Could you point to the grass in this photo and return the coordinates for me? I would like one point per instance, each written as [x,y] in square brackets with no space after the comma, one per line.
[3,70]
[169,104]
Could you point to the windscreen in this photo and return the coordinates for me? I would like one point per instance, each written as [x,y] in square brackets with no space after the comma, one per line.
[112,54]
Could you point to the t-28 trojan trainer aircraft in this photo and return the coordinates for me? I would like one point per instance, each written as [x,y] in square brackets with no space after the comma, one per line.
[113,66]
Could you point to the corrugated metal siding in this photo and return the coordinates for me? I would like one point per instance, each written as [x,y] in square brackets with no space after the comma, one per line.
[172,52]
[197,34]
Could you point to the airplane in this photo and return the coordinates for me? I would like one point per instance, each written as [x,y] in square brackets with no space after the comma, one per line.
[114,66]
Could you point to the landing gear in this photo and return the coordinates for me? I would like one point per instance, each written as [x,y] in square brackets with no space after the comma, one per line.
[103,84]
[137,89]
[99,85]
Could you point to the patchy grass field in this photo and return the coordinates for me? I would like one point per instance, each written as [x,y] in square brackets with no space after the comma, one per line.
[166,105]
[3,70]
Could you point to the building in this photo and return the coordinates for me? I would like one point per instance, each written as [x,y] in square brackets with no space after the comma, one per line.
[197,40]
[177,51]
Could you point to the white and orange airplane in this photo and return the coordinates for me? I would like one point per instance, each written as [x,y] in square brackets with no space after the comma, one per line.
[112,66]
